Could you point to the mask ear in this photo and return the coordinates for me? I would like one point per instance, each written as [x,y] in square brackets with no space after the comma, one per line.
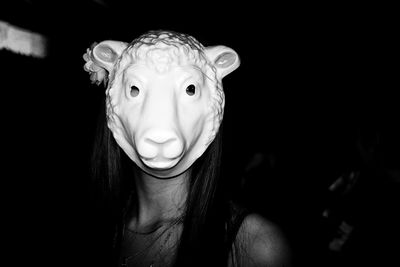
[225,59]
[106,53]
[101,59]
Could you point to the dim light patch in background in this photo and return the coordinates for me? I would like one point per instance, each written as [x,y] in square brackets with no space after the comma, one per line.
[22,41]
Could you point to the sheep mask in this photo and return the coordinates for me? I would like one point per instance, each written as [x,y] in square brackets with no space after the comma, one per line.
[164,97]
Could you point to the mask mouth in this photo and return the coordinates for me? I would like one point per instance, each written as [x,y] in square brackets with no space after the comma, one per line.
[160,163]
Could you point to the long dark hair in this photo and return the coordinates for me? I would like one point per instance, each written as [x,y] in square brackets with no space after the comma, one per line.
[205,238]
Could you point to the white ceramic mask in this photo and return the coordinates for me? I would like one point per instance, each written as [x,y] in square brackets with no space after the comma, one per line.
[165,100]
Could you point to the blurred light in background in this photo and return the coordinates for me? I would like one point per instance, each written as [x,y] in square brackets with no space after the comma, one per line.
[22,41]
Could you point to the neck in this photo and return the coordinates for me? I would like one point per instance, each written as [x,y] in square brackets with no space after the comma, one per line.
[158,199]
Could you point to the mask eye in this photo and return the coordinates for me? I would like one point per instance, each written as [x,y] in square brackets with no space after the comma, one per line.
[134,91]
[191,90]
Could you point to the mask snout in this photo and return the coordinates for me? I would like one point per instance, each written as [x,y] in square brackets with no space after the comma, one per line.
[160,149]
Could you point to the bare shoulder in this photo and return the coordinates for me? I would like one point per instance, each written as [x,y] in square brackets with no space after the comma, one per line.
[262,243]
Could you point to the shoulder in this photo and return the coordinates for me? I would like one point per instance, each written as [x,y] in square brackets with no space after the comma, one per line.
[262,243]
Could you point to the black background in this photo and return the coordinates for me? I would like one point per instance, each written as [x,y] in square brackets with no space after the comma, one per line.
[313,79]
